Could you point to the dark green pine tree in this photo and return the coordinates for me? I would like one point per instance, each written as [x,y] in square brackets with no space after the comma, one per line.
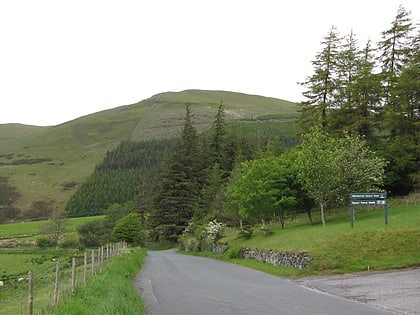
[220,152]
[322,85]
[402,151]
[342,118]
[394,52]
[179,186]
[367,95]
[403,117]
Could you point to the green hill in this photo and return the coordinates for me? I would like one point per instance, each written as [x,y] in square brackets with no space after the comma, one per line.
[48,163]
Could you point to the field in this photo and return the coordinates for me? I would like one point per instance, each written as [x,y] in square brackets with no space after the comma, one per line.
[16,262]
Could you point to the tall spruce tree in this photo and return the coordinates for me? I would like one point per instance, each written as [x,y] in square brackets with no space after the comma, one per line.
[220,151]
[367,94]
[342,118]
[400,74]
[404,114]
[322,85]
[402,150]
[180,185]
[394,51]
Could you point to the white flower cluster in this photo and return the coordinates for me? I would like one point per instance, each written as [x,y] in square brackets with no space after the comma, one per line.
[214,230]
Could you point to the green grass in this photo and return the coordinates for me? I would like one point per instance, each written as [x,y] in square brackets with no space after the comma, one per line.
[16,264]
[110,292]
[33,227]
[110,289]
[338,248]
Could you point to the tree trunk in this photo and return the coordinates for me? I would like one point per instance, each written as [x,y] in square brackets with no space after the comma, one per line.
[322,213]
[263,225]
[281,219]
[309,213]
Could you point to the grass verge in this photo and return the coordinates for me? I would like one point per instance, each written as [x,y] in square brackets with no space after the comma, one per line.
[110,292]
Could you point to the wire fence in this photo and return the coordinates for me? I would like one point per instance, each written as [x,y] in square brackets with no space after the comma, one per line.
[39,291]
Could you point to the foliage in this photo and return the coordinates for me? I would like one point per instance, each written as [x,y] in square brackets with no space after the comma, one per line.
[263,188]
[180,185]
[55,228]
[347,95]
[91,233]
[245,232]
[202,237]
[214,231]
[360,169]
[322,85]
[235,252]
[70,241]
[102,189]
[330,168]
[129,229]
[43,242]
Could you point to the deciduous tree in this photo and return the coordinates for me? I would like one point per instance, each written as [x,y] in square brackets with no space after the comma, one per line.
[129,229]
[318,168]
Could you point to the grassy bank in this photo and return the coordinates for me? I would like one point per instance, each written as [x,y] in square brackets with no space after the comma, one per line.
[110,292]
[338,248]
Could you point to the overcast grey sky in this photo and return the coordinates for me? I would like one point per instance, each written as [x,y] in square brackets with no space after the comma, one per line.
[60,60]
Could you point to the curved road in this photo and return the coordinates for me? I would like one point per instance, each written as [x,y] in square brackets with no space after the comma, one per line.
[174,284]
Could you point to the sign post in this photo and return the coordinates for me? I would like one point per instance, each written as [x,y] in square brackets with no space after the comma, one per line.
[368,199]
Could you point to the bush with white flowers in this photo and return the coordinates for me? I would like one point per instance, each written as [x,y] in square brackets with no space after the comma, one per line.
[214,231]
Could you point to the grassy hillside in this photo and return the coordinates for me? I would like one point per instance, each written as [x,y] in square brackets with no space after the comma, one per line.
[48,163]
[167,111]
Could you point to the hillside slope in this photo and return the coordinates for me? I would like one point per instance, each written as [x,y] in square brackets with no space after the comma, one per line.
[48,163]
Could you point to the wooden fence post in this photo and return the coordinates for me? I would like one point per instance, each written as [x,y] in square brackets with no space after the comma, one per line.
[99,258]
[84,268]
[73,274]
[93,262]
[102,256]
[57,280]
[31,293]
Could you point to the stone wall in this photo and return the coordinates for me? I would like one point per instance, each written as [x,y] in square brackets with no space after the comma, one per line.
[219,248]
[296,260]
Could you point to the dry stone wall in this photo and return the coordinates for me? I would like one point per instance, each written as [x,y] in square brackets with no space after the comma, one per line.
[296,260]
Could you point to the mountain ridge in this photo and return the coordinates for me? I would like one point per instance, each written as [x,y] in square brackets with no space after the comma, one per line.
[54,160]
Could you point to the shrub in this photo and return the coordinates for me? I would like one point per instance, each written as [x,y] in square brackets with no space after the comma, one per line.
[266,231]
[214,231]
[43,242]
[91,233]
[235,253]
[191,244]
[129,229]
[70,241]
[245,233]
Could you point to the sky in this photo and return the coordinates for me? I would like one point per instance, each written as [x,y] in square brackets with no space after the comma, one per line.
[60,60]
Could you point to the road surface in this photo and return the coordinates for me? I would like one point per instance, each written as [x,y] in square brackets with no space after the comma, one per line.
[174,284]
[397,290]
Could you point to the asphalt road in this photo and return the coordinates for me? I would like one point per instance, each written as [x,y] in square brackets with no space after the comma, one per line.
[174,284]
[397,290]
